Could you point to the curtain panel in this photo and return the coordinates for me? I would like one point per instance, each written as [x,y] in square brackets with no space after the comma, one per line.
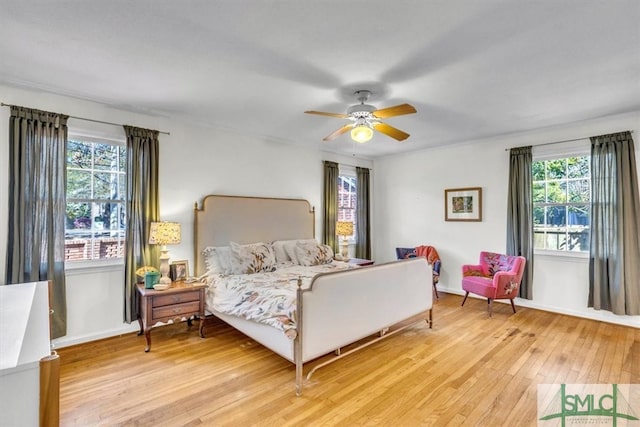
[363,229]
[37,201]
[614,269]
[520,214]
[330,205]
[142,208]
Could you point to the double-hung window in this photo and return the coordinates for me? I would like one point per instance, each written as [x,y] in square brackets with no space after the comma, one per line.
[95,209]
[347,198]
[562,200]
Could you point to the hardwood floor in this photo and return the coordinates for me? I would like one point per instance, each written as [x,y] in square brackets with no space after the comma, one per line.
[468,370]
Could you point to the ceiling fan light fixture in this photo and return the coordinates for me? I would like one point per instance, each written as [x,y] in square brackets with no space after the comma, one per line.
[361,133]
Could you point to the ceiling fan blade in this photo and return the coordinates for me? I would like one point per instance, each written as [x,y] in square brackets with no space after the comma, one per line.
[391,131]
[321,113]
[337,133]
[397,110]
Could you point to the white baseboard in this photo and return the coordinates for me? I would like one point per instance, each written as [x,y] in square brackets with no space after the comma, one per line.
[67,341]
[599,315]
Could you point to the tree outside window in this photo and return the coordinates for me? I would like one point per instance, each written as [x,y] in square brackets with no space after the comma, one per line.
[96,188]
[561,204]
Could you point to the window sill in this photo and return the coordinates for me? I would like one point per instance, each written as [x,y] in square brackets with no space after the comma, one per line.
[96,266]
[568,256]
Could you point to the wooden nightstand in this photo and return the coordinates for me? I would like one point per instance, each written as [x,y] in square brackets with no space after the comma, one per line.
[179,301]
[361,262]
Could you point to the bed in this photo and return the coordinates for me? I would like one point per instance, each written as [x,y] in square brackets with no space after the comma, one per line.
[333,309]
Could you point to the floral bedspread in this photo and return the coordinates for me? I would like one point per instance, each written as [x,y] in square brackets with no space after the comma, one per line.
[268,298]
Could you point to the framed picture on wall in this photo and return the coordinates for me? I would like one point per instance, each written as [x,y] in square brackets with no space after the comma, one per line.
[463,204]
[179,270]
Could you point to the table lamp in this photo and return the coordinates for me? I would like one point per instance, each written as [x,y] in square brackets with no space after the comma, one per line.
[164,233]
[344,229]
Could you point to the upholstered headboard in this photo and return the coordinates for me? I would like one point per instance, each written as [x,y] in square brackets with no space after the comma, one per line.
[220,219]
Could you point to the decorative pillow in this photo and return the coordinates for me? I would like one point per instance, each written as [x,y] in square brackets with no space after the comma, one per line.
[290,248]
[313,253]
[252,258]
[217,259]
[493,262]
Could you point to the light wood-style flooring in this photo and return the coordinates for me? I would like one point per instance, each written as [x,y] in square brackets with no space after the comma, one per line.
[468,370]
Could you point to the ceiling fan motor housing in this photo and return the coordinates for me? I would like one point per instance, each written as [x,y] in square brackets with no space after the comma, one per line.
[361,110]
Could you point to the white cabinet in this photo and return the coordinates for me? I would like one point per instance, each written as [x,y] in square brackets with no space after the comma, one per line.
[24,340]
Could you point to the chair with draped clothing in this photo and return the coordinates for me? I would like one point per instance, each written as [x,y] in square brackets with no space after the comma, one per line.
[432,256]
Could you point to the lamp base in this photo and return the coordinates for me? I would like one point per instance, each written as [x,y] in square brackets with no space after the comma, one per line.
[164,266]
[344,250]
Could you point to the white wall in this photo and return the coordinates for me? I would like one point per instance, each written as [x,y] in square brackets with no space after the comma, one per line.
[194,161]
[407,194]
[409,208]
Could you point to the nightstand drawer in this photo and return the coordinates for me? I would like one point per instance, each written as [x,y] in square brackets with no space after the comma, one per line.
[176,310]
[159,301]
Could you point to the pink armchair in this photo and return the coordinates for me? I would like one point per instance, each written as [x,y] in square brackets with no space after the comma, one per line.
[496,277]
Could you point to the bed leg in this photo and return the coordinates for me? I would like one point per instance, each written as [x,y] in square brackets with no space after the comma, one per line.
[297,344]
[298,378]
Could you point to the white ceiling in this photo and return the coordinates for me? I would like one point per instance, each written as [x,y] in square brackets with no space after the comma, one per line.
[471,68]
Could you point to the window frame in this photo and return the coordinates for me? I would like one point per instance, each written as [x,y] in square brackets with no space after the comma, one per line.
[106,264]
[349,172]
[575,148]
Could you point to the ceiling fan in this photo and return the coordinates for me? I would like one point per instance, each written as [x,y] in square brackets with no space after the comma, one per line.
[365,119]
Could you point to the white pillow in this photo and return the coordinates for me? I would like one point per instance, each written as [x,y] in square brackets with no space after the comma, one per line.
[278,249]
[252,258]
[217,259]
[313,253]
[290,248]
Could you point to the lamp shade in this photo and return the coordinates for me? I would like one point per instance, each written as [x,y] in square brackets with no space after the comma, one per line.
[344,228]
[164,233]
[361,133]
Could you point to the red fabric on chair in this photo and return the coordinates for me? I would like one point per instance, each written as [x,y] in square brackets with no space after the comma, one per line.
[433,258]
[429,252]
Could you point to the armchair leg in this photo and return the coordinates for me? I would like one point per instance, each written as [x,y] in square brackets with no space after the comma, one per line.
[512,305]
[435,291]
[490,303]
[465,298]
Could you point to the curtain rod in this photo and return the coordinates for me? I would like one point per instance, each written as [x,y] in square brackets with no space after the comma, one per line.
[564,140]
[88,120]
[352,166]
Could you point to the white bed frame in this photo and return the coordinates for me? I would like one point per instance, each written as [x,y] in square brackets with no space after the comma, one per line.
[339,308]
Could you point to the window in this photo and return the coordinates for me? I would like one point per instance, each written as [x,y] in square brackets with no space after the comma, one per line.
[347,200]
[95,210]
[561,203]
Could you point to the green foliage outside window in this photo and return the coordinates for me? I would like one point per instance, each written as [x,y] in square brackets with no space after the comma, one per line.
[96,186]
[561,203]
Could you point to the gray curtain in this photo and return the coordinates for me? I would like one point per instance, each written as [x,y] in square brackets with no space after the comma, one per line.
[520,214]
[142,208]
[614,266]
[330,204]
[363,232]
[37,201]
